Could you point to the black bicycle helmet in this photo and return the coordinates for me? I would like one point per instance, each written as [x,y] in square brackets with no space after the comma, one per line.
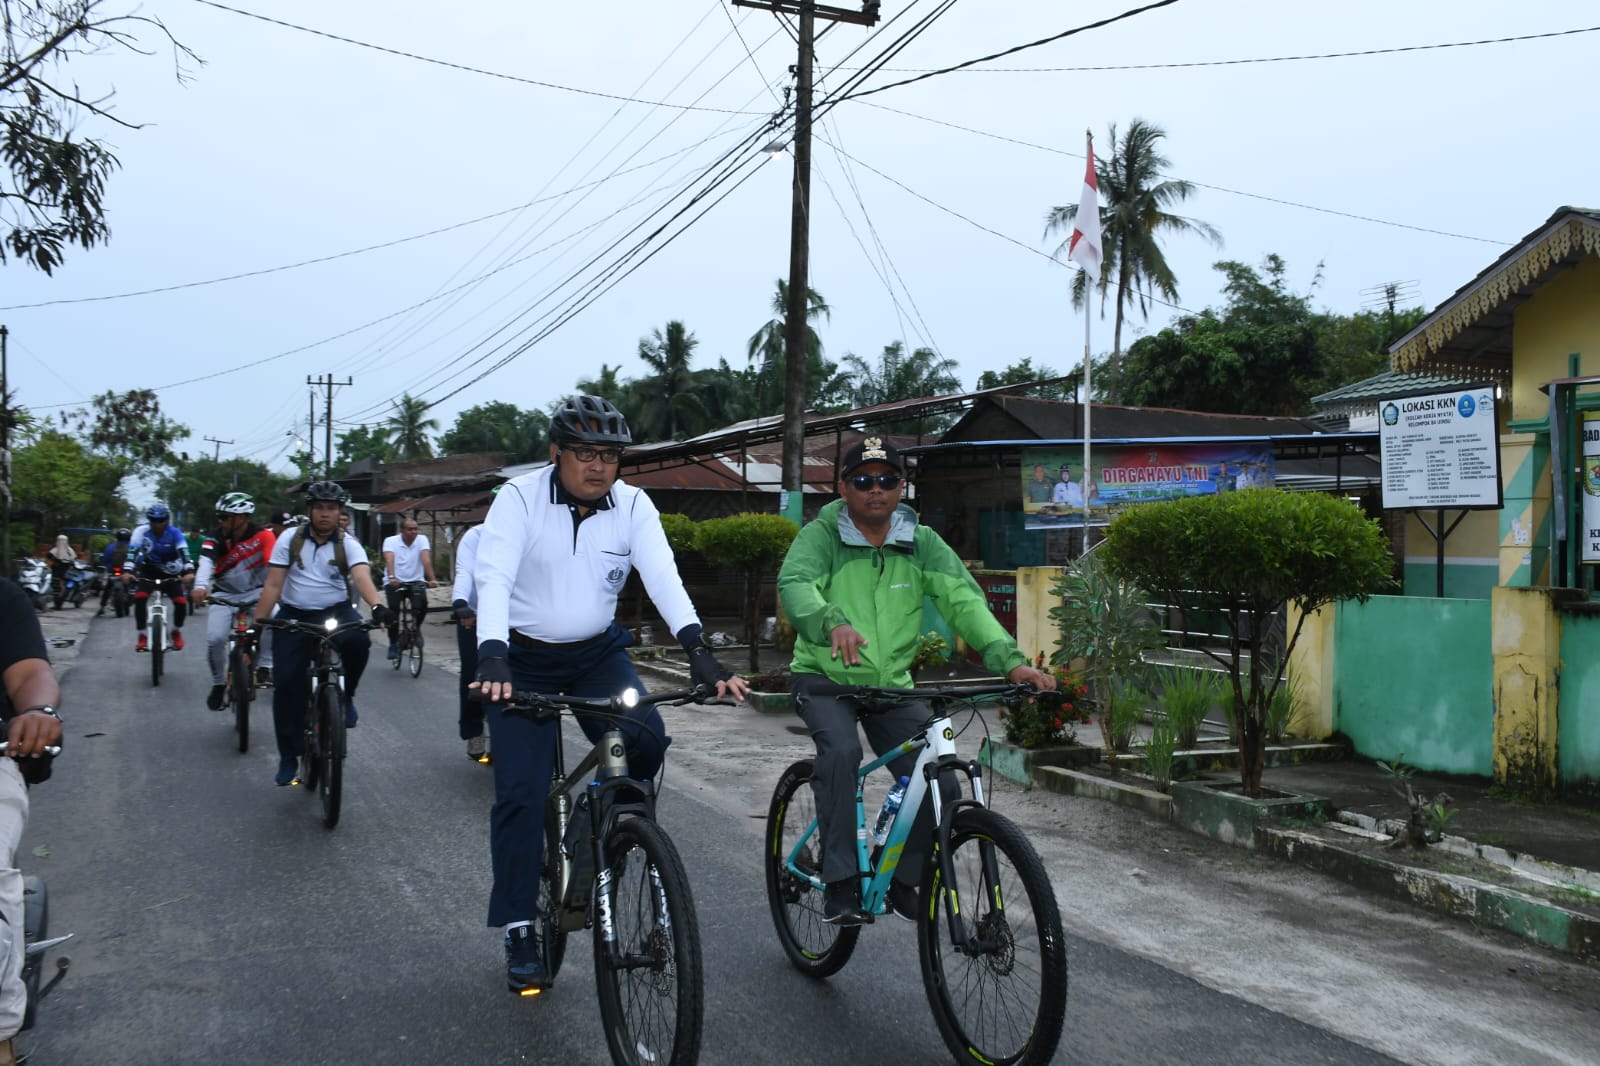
[124,533]
[585,419]
[326,490]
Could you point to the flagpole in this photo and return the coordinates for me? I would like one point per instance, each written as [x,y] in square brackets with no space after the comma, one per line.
[1088,392]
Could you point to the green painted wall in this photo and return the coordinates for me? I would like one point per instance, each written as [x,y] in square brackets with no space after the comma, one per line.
[1461,581]
[1416,676]
[1578,712]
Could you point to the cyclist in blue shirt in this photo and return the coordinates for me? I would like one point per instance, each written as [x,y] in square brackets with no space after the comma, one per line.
[159,556]
[115,560]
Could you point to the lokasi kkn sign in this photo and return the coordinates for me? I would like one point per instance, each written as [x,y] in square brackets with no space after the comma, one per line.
[1440,450]
[1124,475]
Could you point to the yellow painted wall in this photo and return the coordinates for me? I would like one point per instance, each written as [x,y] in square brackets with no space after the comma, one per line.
[1036,630]
[1526,644]
[1562,317]
[1311,664]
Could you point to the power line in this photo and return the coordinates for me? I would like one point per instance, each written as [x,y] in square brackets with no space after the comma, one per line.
[1199,184]
[457,66]
[1262,59]
[1101,23]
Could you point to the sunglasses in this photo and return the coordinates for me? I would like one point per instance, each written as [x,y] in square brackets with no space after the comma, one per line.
[610,456]
[863,482]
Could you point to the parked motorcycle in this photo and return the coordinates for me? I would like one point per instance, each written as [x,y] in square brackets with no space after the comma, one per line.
[34,577]
[74,584]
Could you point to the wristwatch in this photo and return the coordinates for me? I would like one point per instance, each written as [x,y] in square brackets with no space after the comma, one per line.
[43,708]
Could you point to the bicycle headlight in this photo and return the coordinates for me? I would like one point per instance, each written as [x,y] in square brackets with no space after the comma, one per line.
[331,624]
[629,698]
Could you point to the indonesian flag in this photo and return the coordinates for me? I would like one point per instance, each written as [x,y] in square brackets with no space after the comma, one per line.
[1085,248]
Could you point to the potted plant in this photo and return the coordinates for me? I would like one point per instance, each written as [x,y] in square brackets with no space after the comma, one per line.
[769,691]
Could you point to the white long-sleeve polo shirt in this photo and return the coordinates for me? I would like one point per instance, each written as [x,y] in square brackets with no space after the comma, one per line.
[547,575]
[465,587]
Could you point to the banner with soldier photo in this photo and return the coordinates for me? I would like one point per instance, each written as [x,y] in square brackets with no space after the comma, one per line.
[1054,488]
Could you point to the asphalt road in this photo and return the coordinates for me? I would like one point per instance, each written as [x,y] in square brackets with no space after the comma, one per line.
[218,922]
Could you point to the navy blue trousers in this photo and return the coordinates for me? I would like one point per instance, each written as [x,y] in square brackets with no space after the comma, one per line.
[524,757]
[291,672]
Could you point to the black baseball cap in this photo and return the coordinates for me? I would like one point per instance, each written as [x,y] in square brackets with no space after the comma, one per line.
[870,450]
[281,518]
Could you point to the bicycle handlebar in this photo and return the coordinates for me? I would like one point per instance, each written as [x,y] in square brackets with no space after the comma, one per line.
[1007,691]
[546,705]
[49,749]
[320,630]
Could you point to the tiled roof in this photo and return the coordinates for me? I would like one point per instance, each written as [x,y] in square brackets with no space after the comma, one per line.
[1386,384]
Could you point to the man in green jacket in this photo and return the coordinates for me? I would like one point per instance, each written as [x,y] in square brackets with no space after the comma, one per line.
[853,585]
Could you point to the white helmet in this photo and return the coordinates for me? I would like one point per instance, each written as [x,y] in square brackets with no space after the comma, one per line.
[236,503]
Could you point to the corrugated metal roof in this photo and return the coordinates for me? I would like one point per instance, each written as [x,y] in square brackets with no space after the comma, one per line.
[447,501]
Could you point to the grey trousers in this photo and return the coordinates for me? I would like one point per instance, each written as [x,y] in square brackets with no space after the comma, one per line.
[13,819]
[832,722]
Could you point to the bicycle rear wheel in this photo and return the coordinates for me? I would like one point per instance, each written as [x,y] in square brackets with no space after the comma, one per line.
[816,948]
[649,976]
[330,752]
[414,653]
[158,648]
[1002,999]
[242,690]
[555,936]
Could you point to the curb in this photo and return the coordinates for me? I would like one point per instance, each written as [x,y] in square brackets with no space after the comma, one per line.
[1454,895]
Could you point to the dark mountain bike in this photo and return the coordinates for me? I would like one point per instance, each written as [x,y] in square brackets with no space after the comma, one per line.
[409,633]
[238,683]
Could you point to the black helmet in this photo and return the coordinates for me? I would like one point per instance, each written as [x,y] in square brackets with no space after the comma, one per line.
[124,533]
[585,419]
[326,490]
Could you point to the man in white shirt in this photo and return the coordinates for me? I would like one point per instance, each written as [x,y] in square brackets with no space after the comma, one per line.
[407,561]
[556,549]
[1067,491]
[464,601]
[311,588]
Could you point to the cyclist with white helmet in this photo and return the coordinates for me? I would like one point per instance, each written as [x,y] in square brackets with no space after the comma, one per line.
[306,582]
[233,561]
[159,556]
[556,549]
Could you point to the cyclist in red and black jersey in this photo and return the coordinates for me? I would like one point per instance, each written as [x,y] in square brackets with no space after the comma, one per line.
[233,561]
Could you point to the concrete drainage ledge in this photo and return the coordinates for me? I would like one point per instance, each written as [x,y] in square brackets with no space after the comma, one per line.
[1093,786]
[1483,904]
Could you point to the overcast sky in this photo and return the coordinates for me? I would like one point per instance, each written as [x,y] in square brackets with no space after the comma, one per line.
[928,199]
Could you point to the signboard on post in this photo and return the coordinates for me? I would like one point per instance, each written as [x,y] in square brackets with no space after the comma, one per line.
[1591,488]
[1440,450]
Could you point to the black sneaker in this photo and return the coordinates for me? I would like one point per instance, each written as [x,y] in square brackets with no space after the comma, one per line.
[263,677]
[902,901]
[214,698]
[841,904]
[525,972]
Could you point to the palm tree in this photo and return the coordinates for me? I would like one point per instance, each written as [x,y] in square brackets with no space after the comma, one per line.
[408,428]
[669,398]
[766,354]
[898,376]
[1132,217]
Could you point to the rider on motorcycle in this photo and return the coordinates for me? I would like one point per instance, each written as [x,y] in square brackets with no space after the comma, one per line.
[160,557]
[233,561]
[114,559]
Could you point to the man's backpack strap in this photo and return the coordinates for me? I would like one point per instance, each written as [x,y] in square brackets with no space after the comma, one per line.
[340,560]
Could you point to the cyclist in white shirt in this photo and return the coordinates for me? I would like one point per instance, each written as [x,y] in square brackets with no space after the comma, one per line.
[556,549]
[407,557]
[311,588]
[464,600]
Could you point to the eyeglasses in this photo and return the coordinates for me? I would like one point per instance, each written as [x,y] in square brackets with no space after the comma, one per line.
[609,456]
[863,482]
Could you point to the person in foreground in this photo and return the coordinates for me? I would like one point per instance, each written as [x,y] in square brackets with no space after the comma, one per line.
[556,549]
[305,582]
[853,584]
[28,706]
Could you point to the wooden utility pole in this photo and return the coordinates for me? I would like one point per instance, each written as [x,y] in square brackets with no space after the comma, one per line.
[794,332]
[327,382]
[217,455]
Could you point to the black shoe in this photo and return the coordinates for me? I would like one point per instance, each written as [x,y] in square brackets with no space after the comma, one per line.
[841,904]
[214,698]
[263,677]
[902,901]
[525,970]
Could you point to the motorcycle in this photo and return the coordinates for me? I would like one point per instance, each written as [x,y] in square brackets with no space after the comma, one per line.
[74,584]
[121,598]
[34,577]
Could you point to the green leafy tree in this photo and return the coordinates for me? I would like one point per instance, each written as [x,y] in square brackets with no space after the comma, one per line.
[756,544]
[1245,556]
[66,483]
[407,429]
[362,442]
[129,429]
[498,426]
[1024,373]
[1134,217]
[668,401]
[898,376]
[53,187]
[193,488]
[766,351]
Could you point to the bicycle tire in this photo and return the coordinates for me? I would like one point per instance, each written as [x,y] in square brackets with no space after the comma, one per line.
[1006,1002]
[414,653]
[555,937]
[158,649]
[311,761]
[816,948]
[330,753]
[243,691]
[652,1004]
